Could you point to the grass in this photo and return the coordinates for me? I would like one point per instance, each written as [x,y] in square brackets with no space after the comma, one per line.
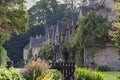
[111,75]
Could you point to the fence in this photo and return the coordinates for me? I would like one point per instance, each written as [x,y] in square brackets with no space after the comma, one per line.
[67,69]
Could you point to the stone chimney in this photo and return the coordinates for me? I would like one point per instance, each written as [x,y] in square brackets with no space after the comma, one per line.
[37,36]
[40,36]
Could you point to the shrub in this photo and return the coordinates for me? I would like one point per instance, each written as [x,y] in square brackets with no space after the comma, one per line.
[46,52]
[35,69]
[10,74]
[84,74]
[21,63]
[104,68]
[3,55]
[52,75]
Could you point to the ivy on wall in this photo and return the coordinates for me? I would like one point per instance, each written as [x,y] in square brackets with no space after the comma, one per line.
[115,30]
[92,31]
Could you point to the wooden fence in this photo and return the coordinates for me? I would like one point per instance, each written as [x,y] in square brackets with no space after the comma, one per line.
[67,69]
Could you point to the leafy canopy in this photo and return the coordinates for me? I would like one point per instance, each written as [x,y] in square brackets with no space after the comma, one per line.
[13,18]
[46,52]
[115,31]
[92,29]
[43,12]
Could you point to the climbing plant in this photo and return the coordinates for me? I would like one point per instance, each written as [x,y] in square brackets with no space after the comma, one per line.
[115,30]
[92,31]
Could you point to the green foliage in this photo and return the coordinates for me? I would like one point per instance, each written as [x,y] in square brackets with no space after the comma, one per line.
[104,68]
[52,75]
[57,75]
[115,30]
[10,74]
[92,28]
[48,12]
[3,37]
[111,75]
[3,56]
[43,12]
[118,77]
[46,52]
[64,48]
[84,74]
[21,63]
[92,31]
[34,69]
[13,19]
[78,62]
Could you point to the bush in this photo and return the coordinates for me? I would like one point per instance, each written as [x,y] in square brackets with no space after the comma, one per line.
[35,69]
[10,74]
[104,68]
[3,56]
[46,52]
[52,75]
[21,63]
[84,74]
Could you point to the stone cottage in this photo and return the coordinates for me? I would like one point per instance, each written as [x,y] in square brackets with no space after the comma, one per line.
[63,31]
[34,44]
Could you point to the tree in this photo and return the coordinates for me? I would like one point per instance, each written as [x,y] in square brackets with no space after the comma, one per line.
[46,52]
[91,29]
[43,12]
[48,12]
[13,19]
[115,30]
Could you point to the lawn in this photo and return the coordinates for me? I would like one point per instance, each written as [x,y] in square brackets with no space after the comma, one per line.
[111,75]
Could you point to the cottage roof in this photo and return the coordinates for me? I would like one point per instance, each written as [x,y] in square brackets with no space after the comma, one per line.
[85,9]
[50,32]
[36,42]
[62,26]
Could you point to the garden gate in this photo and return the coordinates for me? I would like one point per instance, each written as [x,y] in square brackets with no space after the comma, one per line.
[67,69]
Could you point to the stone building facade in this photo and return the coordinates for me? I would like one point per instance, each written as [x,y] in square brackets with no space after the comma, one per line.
[63,31]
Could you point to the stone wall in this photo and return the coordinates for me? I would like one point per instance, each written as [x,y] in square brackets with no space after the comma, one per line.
[108,56]
[25,54]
